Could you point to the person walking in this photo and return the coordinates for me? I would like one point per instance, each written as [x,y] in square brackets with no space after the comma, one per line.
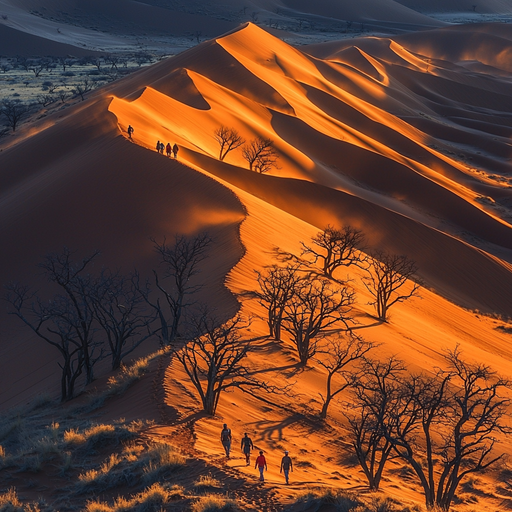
[225,439]
[158,147]
[261,464]
[286,466]
[175,150]
[246,446]
[130,131]
[168,149]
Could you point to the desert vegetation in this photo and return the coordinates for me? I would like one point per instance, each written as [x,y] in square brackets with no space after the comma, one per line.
[50,82]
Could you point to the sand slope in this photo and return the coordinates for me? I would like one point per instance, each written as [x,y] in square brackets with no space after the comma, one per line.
[389,135]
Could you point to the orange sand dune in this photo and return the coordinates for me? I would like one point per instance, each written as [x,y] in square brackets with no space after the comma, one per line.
[411,146]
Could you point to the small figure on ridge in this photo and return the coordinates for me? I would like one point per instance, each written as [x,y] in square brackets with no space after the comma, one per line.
[225,439]
[130,131]
[261,464]
[246,446]
[175,150]
[286,466]
[168,149]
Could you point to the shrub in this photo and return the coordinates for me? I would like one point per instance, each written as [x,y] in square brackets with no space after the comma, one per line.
[214,503]
[161,458]
[207,482]
[315,498]
[150,499]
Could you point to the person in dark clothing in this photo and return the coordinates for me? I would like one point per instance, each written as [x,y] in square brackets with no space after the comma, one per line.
[130,131]
[286,466]
[225,439]
[261,464]
[158,147]
[246,446]
[175,150]
[168,149]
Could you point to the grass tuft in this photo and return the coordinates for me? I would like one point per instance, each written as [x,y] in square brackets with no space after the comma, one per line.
[152,498]
[214,503]
[159,459]
[207,482]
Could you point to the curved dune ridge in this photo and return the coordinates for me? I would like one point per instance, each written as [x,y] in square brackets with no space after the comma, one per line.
[369,132]
[388,135]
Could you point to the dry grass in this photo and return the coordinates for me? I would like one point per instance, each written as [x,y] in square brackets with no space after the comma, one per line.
[159,459]
[207,482]
[9,502]
[152,498]
[214,503]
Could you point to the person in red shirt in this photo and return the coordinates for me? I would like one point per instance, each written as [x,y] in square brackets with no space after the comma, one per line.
[261,464]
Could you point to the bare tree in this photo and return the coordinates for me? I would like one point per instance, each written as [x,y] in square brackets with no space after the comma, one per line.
[316,307]
[260,154]
[37,66]
[46,99]
[278,285]
[83,87]
[375,394]
[181,262]
[336,248]
[228,139]
[63,95]
[121,310]
[75,309]
[46,321]
[387,276]
[214,360]
[339,353]
[13,111]
[465,404]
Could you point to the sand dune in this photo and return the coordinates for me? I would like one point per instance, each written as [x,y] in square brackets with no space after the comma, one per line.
[490,6]
[398,137]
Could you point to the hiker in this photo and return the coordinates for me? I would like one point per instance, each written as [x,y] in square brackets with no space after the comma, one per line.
[286,466]
[158,147]
[162,147]
[225,439]
[246,446]
[130,130]
[175,150]
[261,464]
[168,149]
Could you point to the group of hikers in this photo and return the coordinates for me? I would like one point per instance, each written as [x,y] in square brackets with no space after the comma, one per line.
[160,146]
[261,462]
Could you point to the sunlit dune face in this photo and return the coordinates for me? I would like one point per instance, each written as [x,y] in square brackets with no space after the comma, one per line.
[353,99]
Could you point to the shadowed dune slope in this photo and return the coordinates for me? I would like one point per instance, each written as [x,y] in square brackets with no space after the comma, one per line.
[15,43]
[80,184]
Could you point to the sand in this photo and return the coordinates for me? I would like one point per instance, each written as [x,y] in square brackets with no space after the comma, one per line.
[393,136]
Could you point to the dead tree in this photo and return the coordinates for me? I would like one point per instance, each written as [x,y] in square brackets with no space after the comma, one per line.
[13,111]
[121,310]
[75,305]
[181,263]
[387,276]
[316,306]
[278,286]
[465,405]
[260,154]
[228,139]
[336,248]
[83,87]
[339,353]
[48,323]
[375,395]
[214,360]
